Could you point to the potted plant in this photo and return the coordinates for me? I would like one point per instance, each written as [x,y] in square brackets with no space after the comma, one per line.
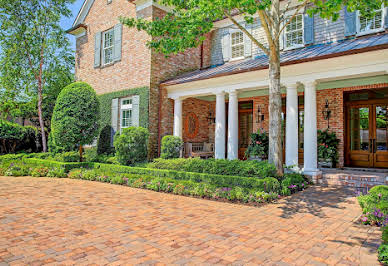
[327,148]
[258,147]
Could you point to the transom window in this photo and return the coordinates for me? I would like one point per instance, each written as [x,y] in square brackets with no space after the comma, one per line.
[126,113]
[294,32]
[108,47]
[237,45]
[370,25]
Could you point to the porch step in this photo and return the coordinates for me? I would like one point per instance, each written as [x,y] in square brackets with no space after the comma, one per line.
[357,179]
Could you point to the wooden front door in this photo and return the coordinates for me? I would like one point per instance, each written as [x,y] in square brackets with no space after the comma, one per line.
[245,120]
[367,134]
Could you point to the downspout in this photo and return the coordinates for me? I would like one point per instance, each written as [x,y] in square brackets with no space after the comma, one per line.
[159,118]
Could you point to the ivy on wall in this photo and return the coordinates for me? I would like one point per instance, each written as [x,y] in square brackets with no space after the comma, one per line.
[106,105]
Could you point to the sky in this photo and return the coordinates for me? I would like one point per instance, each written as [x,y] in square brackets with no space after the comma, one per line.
[67,23]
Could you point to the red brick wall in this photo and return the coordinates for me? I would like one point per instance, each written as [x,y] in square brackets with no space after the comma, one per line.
[133,70]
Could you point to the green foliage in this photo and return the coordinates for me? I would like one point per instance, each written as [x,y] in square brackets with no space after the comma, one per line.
[219,167]
[259,145]
[106,106]
[14,136]
[76,116]
[292,183]
[375,206]
[91,155]
[40,172]
[328,146]
[171,147]
[131,145]
[104,143]
[33,162]
[383,254]
[385,235]
[67,157]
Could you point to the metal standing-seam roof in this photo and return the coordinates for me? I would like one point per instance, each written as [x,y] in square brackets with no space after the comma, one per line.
[306,54]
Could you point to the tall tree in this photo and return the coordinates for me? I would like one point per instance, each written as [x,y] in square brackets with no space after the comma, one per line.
[34,45]
[188,22]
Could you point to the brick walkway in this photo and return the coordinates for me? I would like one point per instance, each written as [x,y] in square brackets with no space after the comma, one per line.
[63,221]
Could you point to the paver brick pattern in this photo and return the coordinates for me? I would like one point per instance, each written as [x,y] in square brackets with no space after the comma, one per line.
[64,222]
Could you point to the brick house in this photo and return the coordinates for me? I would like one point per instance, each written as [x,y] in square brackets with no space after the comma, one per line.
[218,93]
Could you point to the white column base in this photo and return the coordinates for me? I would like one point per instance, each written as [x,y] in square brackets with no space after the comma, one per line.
[314,175]
[220,129]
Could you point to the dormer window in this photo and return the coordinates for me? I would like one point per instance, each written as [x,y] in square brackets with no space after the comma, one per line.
[237,45]
[294,32]
[371,25]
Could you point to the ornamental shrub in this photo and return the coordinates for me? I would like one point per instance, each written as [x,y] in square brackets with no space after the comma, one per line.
[14,137]
[375,206]
[171,147]
[219,167]
[131,145]
[75,120]
[67,157]
[104,143]
[383,254]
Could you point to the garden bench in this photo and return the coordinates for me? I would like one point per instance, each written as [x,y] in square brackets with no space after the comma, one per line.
[198,150]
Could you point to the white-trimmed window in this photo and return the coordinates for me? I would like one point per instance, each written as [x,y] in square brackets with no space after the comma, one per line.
[371,25]
[294,33]
[237,43]
[108,46]
[126,113]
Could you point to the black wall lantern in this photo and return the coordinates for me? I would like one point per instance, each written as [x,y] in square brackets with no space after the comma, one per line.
[327,113]
[211,118]
[260,116]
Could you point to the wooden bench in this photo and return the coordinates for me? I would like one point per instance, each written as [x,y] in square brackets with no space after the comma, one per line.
[198,150]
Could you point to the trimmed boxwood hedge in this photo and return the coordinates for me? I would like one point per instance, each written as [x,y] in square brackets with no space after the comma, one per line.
[54,164]
[266,184]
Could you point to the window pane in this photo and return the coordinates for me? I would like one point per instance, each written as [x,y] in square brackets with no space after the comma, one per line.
[294,32]
[237,44]
[374,23]
[382,128]
[359,129]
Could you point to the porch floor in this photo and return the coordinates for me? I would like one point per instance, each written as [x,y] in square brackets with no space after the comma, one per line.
[361,179]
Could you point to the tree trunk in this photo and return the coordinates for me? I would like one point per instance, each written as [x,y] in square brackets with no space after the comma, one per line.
[275,152]
[40,115]
[81,151]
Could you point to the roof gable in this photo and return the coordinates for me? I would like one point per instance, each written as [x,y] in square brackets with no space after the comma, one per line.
[84,11]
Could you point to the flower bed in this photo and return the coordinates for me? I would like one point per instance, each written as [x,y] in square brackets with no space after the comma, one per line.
[217,187]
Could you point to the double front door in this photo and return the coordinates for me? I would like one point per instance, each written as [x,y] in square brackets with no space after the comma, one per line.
[367,134]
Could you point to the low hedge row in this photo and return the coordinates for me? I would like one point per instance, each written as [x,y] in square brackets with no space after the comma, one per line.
[219,167]
[265,184]
[54,164]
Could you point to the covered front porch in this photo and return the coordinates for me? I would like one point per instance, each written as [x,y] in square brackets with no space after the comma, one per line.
[306,87]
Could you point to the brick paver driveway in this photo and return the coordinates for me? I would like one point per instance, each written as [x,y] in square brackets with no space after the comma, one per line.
[63,221]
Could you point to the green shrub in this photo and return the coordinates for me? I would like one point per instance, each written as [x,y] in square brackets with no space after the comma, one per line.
[104,143]
[75,174]
[39,172]
[219,167]
[292,183]
[131,145]
[375,205]
[67,157]
[91,155]
[15,137]
[11,157]
[76,116]
[17,169]
[54,164]
[383,254]
[112,160]
[56,172]
[171,147]
[385,235]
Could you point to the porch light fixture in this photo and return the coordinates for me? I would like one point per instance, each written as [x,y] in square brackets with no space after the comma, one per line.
[327,113]
[260,116]
[211,118]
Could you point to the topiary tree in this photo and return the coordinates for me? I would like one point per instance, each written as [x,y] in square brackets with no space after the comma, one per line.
[76,117]
[131,145]
[104,141]
[171,147]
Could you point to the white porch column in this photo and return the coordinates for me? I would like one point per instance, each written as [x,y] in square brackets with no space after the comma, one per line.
[292,126]
[220,126]
[310,131]
[178,117]
[233,126]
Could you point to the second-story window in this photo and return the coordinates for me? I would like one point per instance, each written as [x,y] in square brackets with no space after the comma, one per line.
[294,32]
[108,47]
[370,25]
[237,45]
[126,113]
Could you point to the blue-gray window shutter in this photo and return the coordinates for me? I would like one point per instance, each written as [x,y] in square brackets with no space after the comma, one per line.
[386,18]
[226,48]
[118,29]
[350,23]
[114,118]
[308,29]
[248,42]
[97,49]
[136,111]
